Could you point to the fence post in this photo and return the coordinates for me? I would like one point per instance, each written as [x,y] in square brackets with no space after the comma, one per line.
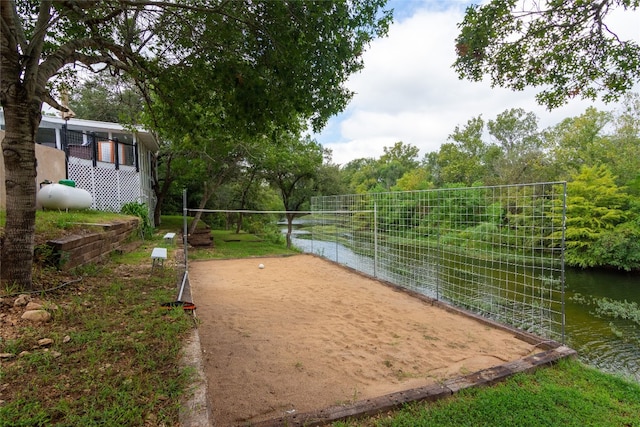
[184,228]
[116,155]
[336,232]
[375,239]
[65,147]
[439,258]
[136,156]
[313,219]
[94,148]
[562,249]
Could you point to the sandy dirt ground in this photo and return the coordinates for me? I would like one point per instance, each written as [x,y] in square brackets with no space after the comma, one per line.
[304,334]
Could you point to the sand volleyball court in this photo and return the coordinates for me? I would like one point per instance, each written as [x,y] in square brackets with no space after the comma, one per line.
[304,334]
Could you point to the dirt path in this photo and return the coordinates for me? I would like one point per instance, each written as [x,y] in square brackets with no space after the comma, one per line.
[303,334]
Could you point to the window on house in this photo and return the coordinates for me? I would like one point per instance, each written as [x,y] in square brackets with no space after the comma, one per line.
[107,152]
[125,148]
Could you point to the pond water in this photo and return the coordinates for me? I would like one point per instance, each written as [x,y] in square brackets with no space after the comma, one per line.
[609,343]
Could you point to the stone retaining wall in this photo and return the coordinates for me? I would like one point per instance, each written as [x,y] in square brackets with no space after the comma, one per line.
[75,250]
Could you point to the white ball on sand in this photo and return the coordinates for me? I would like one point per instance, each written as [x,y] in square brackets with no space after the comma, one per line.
[260,266]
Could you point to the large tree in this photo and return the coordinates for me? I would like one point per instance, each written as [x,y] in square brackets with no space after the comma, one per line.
[107,98]
[624,158]
[395,162]
[294,166]
[277,59]
[567,48]
[521,157]
[463,160]
[379,175]
[596,206]
[578,142]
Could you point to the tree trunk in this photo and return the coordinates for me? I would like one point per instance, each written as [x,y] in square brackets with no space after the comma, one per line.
[228,221]
[210,187]
[290,217]
[157,211]
[161,191]
[22,119]
[208,192]
[243,200]
[239,223]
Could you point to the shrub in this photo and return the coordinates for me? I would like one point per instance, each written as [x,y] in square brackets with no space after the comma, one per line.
[141,211]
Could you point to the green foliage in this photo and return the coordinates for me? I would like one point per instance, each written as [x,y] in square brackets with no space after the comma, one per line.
[619,248]
[624,142]
[458,209]
[291,168]
[404,214]
[618,309]
[484,231]
[577,142]
[107,98]
[265,227]
[360,175]
[44,255]
[395,162]
[596,206]
[563,50]
[566,394]
[412,180]
[141,211]
[603,218]
[364,175]
[520,157]
[465,158]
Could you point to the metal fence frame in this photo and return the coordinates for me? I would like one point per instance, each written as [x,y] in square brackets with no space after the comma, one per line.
[495,250]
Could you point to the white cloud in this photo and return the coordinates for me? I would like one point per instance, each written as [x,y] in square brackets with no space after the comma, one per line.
[409,92]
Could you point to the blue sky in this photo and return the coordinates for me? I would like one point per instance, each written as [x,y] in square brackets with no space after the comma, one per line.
[408,91]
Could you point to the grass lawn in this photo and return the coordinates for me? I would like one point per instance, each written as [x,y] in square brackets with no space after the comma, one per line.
[114,351]
[112,358]
[567,394]
[229,244]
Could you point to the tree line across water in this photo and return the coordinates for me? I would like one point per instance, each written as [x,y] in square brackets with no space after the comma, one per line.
[596,153]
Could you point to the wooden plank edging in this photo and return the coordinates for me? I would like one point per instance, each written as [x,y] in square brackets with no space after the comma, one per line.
[430,393]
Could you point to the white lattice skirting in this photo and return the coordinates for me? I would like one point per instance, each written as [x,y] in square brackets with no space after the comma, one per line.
[110,188]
